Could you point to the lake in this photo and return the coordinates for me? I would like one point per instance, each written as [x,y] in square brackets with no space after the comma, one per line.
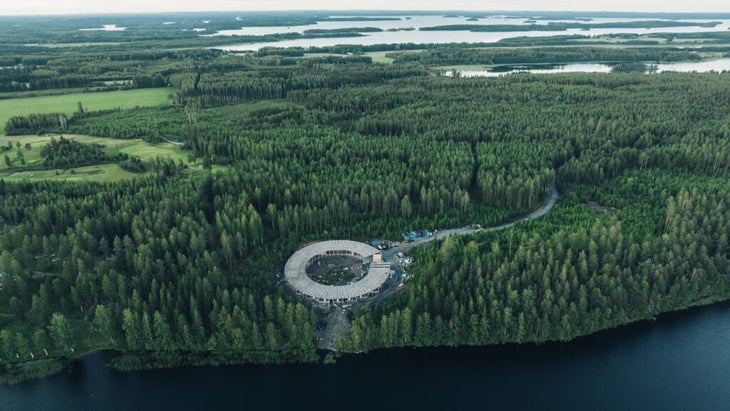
[718,65]
[106,27]
[437,37]
[679,362]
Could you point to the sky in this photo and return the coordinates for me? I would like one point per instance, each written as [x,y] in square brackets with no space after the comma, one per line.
[39,7]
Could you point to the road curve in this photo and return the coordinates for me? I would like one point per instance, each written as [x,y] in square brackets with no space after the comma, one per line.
[389,254]
[328,337]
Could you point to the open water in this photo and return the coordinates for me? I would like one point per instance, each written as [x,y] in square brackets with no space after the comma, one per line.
[395,34]
[718,66]
[679,362]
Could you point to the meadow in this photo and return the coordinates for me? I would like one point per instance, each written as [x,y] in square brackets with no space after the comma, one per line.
[31,148]
[68,103]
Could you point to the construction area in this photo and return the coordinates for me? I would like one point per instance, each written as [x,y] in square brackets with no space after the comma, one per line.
[346,271]
[337,270]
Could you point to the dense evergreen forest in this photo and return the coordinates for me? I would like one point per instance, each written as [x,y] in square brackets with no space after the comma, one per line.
[177,267]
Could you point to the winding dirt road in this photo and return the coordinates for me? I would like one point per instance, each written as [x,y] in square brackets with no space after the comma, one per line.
[389,255]
[337,323]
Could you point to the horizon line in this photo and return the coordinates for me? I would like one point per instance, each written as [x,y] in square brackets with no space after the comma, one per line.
[391,11]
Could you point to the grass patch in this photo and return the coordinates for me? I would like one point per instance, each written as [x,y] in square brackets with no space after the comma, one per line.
[314,55]
[383,60]
[379,57]
[134,147]
[464,67]
[86,44]
[103,172]
[68,103]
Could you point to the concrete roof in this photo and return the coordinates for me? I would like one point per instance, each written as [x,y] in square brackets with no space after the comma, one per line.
[297,278]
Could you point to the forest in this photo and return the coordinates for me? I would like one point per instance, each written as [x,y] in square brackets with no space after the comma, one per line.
[174,267]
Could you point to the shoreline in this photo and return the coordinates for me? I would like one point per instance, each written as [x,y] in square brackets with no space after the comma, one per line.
[323,356]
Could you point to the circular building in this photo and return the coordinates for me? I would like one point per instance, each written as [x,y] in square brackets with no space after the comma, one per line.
[295,271]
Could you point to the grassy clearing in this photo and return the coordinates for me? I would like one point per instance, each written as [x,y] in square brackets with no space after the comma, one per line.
[102,172]
[313,55]
[379,57]
[68,103]
[134,147]
[105,172]
[87,44]
[464,67]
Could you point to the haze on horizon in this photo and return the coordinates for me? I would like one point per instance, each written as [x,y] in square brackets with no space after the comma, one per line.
[45,7]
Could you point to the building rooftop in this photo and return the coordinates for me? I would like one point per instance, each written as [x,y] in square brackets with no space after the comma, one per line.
[297,278]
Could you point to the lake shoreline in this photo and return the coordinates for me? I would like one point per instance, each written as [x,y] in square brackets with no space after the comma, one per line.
[325,357]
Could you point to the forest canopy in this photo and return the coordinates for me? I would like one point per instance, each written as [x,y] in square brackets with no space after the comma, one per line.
[180,265]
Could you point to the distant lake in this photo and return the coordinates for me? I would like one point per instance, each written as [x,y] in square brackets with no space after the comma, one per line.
[679,362]
[437,37]
[106,27]
[543,69]
[700,67]
[686,67]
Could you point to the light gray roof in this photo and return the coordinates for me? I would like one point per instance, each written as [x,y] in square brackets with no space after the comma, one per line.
[297,278]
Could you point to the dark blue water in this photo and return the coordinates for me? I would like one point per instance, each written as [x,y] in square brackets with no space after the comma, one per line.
[680,362]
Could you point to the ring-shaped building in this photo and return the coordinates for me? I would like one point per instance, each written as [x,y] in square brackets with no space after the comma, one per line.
[295,271]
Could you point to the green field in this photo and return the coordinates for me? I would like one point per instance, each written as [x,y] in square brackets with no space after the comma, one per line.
[102,172]
[379,57]
[105,172]
[68,103]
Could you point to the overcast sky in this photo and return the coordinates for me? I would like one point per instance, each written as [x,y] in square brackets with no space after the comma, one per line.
[117,6]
